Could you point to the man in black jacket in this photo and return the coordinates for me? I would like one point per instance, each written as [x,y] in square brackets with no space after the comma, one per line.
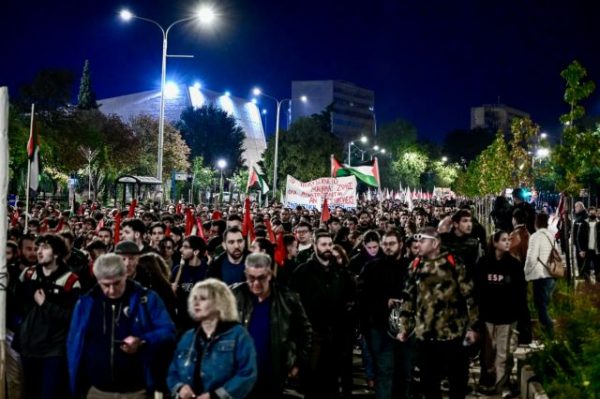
[229,266]
[380,285]
[48,292]
[276,321]
[327,294]
[586,236]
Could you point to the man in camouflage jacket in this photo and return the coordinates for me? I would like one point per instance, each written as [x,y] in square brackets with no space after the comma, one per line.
[439,308]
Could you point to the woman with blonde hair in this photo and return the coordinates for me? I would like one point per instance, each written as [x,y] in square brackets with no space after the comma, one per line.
[217,358]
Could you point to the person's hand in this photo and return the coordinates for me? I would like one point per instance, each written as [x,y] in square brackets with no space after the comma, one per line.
[402,337]
[39,296]
[392,302]
[174,287]
[582,254]
[131,345]
[185,392]
[205,395]
[471,337]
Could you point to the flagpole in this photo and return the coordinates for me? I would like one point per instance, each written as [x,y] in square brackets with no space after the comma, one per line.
[3,231]
[28,172]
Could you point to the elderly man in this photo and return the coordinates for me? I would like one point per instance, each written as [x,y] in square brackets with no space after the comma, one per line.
[117,331]
[276,321]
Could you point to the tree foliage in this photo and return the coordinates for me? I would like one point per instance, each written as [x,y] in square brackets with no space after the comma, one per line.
[304,152]
[409,165]
[212,134]
[577,155]
[524,134]
[175,151]
[86,99]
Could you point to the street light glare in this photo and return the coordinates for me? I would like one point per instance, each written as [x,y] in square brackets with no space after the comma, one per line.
[206,14]
[171,90]
[376,148]
[363,139]
[256,91]
[125,15]
[544,135]
[304,99]
[543,152]
[197,86]
[254,101]
[221,163]
[264,111]
[227,93]
[383,150]
[444,159]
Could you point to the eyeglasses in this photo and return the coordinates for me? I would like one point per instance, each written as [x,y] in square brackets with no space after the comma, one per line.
[419,237]
[261,279]
[301,231]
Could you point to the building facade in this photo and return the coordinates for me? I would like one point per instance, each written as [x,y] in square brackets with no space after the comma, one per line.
[243,111]
[352,107]
[495,116]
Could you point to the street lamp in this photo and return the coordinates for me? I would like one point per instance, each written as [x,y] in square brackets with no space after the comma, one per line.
[444,159]
[206,15]
[363,139]
[221,163]
[258,92]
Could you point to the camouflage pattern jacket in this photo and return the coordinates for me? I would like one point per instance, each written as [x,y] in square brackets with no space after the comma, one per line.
[437,301]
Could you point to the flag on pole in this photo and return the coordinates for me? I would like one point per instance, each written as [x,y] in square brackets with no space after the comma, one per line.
[117,228]
[255,178]
[367,172]
[247,225]
[33,153]
[132,206]
[325,214]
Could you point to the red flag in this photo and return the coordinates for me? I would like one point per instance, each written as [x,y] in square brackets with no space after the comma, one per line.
[280,252]
[100,225]
[216,215]
[247,225]
[15,218]
[199,228]
[117,228]
[178,209]
[93,207]
[189,222]
[80,210]
[168,231]
[59,226]
[44,226]
[270,230]
[132,208]
[325,214]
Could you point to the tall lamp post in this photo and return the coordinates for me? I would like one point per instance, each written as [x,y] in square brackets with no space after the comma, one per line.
[258,92]
[363,140]
[221,163]
[205,15]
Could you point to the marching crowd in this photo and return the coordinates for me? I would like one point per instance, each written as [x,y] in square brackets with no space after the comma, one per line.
[240,301]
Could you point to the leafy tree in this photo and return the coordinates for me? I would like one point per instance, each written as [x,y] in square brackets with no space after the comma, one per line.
[444,173]
[212,134]
[304,152]
[577,155]
[524,132]
[50,90]
[86,99]
[394,137]
[410,164]
[175,152]
[202,176]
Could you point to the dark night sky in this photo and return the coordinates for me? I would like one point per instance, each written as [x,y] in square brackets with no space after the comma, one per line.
[427,61]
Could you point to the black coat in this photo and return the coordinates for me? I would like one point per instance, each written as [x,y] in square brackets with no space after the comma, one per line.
[290,328]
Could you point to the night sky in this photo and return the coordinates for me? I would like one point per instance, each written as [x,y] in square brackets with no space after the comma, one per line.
[427,61]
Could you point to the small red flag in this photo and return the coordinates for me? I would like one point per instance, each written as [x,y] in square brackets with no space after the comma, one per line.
[270,230]
[100,225]
[216,215]
[132,208]
[189,222]
[117,228]
[59,226]
[15,218]
[199,228]
[280,252]
[178,209]
[247,225]
[168,231]
[325,215]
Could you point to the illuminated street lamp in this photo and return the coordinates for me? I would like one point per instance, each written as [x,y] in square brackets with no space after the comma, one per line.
[444,159]
[221,163]
[258,92]
[206,15]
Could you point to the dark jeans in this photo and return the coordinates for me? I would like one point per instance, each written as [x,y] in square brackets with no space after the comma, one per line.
[381,347]
[542,291]
[590,263]
[323,368]
[439,358]
[404,353]
[46,378]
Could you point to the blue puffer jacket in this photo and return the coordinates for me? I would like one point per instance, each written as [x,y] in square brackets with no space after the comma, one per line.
[228,362]
[152,325]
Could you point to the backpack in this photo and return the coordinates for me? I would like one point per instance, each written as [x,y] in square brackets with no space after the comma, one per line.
[554,264]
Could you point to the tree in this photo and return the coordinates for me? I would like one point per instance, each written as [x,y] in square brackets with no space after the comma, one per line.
[524,132]
[212,134]
[50,90]
[86,99]
[577,155]
[444,173]
[394,137]
[304,152]
[175,151]
[202,176]
[410,164]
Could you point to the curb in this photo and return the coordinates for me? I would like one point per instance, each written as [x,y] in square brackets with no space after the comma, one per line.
[530,387]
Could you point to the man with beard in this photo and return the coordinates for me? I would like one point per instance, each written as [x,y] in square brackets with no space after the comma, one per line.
[327,294]
[364,222]
[460,241]
[380,284]
[229,266]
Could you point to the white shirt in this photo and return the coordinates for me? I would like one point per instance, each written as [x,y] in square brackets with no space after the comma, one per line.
[592,235]
[540,246]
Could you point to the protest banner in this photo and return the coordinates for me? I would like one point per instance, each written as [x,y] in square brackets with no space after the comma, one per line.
[339,191]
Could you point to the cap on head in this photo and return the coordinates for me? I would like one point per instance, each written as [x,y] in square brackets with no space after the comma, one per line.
[127,248]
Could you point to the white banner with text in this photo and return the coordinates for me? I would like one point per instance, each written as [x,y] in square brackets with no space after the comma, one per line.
[339,191]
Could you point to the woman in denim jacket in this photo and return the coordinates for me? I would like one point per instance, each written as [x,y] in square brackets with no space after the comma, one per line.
[217,359]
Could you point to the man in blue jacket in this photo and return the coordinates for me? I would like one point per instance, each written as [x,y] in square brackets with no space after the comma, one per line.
[116,331]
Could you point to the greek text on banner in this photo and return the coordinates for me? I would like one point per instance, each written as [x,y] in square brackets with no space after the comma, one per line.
[339,191]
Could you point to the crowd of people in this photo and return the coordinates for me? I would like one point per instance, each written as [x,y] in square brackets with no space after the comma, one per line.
[241,302]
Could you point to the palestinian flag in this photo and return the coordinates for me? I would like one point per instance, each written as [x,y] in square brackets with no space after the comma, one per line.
[255,178]
[33,153]
[367,172]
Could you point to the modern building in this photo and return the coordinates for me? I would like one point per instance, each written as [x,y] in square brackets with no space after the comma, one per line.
[245,112]
[353,107]
[495,116]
